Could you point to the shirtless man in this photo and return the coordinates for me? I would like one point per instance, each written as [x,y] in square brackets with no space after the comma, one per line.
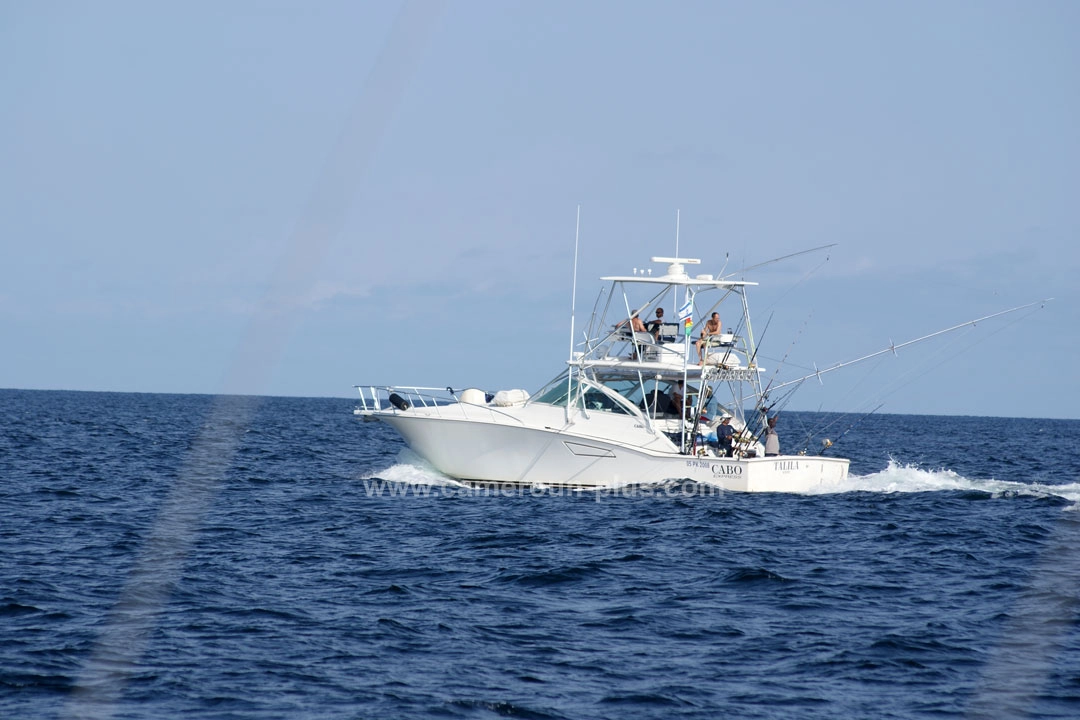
[712,327]
[636,325]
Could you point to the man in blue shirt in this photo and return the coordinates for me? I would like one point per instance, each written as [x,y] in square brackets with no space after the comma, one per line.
[724,435]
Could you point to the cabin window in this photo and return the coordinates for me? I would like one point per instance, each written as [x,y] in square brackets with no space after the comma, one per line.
[592,398]
[661,390]
[598,400]
[554,394]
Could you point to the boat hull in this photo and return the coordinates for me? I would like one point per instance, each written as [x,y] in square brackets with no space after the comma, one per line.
[494,452]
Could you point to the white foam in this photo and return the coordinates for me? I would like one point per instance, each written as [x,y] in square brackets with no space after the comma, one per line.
[411,469]
[909,478]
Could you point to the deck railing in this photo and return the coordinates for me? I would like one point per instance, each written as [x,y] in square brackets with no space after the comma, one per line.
[443,402]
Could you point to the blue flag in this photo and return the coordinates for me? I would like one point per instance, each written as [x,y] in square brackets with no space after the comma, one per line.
[686,310]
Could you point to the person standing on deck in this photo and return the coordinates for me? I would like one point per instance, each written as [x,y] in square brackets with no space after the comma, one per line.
[772,439]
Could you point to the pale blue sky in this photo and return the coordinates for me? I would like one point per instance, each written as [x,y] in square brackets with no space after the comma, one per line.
[292,198]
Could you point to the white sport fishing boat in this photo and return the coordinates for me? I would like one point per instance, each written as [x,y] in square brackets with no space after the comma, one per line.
[635,405]
[632,407]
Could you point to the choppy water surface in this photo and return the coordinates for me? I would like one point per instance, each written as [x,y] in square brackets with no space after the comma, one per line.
[168,556]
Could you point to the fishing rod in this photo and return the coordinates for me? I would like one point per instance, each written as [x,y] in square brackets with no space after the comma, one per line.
[764,426]
[821,429]
[706,391]
[827,443]
[824,428]
[697,415]
[893,347]
[890,392]
[751,364]
[758,341]
[798,282]
[780,404]
[770,262]
[765,393]
[798,382]
[727,259]
[826,424]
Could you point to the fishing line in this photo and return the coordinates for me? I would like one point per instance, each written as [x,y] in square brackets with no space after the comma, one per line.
[780,364]
[936,358]
[798,282]
[928,365]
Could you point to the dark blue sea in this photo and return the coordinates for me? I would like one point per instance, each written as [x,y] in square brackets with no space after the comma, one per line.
[167,556]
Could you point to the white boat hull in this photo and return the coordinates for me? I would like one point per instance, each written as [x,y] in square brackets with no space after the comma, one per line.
[503,452]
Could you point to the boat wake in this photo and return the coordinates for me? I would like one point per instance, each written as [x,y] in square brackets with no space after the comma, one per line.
[910,478]
[411,469]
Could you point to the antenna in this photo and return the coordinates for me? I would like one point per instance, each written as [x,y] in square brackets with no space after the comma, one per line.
[574,291]
[573,306]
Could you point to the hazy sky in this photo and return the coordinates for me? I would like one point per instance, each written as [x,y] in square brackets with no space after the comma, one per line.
[293,197]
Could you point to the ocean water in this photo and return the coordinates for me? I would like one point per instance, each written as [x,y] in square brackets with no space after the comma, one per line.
[220,557]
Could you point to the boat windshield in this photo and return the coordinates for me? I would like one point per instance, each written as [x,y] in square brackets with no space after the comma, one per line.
[649,393]
[593,398]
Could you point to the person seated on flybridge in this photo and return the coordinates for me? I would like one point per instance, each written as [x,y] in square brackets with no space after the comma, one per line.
[654,325]
[637,326]
[712,327]
[663,331]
